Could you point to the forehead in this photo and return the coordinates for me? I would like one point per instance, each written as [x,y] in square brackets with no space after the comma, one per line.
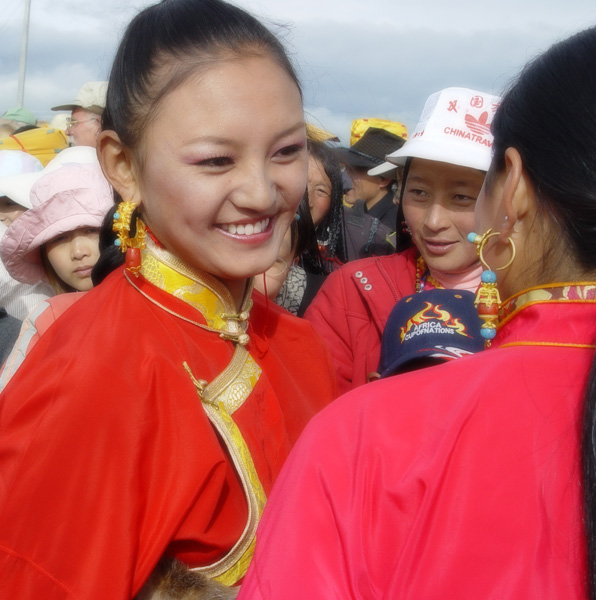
[226,98]
[437,172]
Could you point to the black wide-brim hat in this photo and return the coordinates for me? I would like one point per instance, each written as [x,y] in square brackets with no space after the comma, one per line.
[370,150]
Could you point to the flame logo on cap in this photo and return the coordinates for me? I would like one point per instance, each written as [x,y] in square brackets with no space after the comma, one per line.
[430,312]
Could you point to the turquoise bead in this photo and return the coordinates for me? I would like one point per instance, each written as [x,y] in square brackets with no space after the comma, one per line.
[116,216]
[117,243]
[488,277]
[472,237]
[488,333]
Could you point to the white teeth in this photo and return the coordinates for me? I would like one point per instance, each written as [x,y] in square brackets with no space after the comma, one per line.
[247,228]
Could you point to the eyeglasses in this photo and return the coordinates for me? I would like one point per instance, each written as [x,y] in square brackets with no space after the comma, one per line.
[72,123]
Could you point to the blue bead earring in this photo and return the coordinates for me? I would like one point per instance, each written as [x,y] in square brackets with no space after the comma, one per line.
[488,300]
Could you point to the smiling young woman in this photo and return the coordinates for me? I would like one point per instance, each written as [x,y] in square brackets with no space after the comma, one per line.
[154,421]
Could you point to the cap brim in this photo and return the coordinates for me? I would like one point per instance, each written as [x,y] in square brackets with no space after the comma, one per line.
[98,110]
[430,352]
[384,170]
[353,159]
[18,187]
[440,151]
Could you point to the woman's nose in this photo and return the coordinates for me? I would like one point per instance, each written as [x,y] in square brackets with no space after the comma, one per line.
[258,191]
[80,246]
[435,217]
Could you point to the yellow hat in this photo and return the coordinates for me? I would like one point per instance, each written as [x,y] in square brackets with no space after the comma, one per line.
[359,126]
[316,134]
[43,143]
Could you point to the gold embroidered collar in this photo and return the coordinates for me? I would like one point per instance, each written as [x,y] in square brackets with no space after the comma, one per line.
[199,289]
[582,291]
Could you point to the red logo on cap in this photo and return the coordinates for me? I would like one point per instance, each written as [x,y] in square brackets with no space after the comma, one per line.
[477,102]
[480,125]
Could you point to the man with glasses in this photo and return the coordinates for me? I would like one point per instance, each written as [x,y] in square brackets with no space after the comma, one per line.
[84,123]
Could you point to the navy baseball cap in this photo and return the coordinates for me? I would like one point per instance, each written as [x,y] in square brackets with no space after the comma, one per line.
[435,325]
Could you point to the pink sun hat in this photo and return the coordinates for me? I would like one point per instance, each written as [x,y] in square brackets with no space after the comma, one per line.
[63,199]
[17,185]
[454,128]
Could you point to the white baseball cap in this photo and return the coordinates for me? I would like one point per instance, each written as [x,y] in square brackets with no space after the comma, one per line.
[18,186]
[454,128]
[92,96]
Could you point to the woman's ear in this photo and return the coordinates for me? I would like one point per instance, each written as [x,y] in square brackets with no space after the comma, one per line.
[518,193]
[118,166]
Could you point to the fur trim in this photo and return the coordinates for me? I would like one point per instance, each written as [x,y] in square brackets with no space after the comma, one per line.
[173,580]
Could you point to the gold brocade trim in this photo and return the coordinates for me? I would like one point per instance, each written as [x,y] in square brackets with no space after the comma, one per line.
[228,390]
[581,292]
[200,290]
[555,344]
[215,398]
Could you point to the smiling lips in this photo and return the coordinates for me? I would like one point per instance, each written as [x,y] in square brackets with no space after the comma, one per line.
[439,247]
[246,228]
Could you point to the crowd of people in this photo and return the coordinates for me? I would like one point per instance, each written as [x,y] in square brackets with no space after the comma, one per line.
[242,360]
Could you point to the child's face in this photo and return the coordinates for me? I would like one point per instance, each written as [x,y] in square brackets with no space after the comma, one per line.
[224,167]
[9,210]
[72,256]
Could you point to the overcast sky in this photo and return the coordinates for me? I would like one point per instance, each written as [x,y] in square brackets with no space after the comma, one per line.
[356,58]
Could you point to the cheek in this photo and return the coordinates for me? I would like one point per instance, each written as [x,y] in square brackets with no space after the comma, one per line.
[414,216]
[464,222]
[59,257]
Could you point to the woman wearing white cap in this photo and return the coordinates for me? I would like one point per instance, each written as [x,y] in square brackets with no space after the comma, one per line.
[17,170]
[445,162]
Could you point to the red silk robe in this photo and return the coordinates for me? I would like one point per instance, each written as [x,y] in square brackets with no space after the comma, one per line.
[456,481]
[109,458]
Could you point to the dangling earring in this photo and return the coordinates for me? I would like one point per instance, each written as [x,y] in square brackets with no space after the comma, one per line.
[405,228]
[488,300]
[131,245]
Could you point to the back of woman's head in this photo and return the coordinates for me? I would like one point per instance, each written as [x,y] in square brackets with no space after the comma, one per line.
[549,117]
[165,44]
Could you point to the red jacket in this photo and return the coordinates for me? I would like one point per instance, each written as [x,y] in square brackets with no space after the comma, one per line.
[108,458]
[352,307]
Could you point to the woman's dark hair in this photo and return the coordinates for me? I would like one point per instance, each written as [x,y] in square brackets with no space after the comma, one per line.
[403,238]
[330,232]
[549,117]
[164,45]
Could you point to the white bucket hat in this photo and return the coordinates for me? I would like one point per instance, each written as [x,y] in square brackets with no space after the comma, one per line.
[18,186]
[454,128]
[66,198]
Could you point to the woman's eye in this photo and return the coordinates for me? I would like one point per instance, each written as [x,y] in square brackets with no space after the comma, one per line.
[57,240]
[463,199]
[289,151]
[417,194]
[216,162]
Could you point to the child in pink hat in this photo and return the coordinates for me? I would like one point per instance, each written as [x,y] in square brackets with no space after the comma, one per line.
[57,239]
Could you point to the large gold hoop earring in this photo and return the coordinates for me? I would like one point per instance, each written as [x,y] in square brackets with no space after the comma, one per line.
[487,299]
[480,242]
